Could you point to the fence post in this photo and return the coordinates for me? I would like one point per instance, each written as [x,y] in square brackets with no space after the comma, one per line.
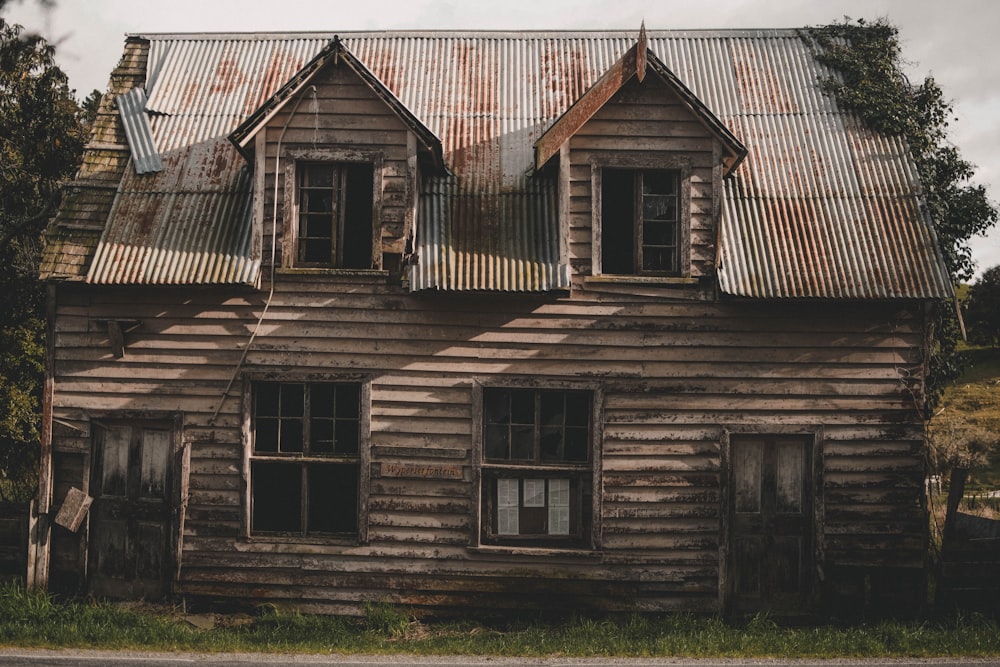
[956,489]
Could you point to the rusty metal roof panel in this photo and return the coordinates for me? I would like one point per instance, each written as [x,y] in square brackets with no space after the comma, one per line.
[820,207]
[132,109]
[227,76]
[189,224]
[823,207]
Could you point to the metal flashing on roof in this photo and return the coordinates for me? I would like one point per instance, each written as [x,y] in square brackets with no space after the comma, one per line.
[132,109]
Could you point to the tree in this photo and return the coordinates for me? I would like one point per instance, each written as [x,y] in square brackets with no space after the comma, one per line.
[870,82]
[982,309]
[42,133]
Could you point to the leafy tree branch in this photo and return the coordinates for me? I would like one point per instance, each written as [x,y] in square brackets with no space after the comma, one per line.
[42,133]
[868,79]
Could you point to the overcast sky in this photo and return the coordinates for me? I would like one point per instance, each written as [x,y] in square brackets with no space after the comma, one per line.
[952,40]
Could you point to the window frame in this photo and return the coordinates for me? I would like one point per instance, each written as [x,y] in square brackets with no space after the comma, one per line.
[643,162]
[585,474]
[295,159]
[304,458]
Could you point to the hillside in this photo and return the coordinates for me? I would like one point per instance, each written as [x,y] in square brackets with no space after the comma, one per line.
[966,427]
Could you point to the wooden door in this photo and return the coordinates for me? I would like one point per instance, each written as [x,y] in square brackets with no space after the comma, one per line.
[771,562]
[130,516]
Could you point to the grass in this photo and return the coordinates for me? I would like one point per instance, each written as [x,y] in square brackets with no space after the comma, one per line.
[37,620]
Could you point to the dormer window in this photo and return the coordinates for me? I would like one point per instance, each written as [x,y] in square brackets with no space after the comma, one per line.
[335,222]
[640,218]
[333,209]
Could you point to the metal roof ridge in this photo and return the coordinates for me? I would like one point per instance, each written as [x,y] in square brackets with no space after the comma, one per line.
[472,33]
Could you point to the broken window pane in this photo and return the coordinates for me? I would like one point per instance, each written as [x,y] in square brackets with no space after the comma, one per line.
[336,204]
[618,221]
[640,221]
[333,498]
[276,497]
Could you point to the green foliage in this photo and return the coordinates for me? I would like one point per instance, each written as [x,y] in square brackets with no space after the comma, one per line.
[42,133]
[982,309]
[869,81]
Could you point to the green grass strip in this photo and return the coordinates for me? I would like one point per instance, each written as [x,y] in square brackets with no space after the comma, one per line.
[37,620]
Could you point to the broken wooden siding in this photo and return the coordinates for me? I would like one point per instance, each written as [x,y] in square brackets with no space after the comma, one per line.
[675,378]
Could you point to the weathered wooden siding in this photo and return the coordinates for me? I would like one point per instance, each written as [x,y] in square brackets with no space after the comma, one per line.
[648,121]
[338,112]
[675,375]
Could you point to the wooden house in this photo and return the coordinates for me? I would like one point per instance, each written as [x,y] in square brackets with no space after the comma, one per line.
[507,321]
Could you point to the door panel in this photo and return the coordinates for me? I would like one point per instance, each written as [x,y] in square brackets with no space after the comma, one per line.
[770,564]
[130,516]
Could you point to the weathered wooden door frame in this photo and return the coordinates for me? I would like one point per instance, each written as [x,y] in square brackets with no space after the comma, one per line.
[725,504]
[179,462]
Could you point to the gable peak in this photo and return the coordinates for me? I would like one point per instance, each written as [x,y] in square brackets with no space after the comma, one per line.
[641,48]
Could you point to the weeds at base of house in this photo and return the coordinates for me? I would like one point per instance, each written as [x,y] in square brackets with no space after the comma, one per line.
[38,620]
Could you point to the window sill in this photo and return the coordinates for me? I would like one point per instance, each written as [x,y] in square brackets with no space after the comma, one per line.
[303,541]
[321,271]
[582,553]
[641,280]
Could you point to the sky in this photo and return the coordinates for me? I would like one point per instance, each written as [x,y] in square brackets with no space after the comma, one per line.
[953,40]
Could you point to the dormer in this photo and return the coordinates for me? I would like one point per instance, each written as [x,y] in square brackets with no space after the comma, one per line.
[641,161]
[337,164]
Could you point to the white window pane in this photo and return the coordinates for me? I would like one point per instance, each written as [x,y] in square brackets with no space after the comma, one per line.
[558,493]
[534,493]
[558,507]
[507,523]
[507,493]
[508,501]
[558,521]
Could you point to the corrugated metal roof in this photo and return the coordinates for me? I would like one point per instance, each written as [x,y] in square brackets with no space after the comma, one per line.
[820,208]
[489,239]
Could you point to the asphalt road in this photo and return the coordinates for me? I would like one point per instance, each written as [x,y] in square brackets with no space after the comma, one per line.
[37,658]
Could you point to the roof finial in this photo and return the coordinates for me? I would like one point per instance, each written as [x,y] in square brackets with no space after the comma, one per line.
[640,52]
